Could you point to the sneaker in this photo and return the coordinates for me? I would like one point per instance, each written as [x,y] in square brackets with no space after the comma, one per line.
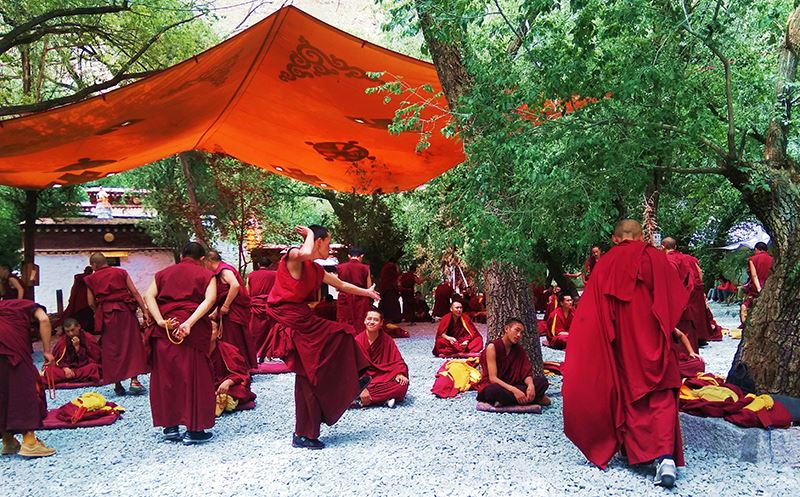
[136,388]
[390,403]
[38,449]
[12,448]
[196,437]
[666,473]
[172,433]
[299,442]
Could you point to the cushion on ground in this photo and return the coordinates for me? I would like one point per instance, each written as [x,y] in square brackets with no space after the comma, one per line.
[77,384]
[531,409]
[51,422]
[277,367]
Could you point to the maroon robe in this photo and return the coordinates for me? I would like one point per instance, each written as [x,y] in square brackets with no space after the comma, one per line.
[386,364]
[441,300]
[462,330]
[621,375]
[9,292]
[408,282]
[85,363]
[260,282]
[762,262]
[558,325]
[228,364]
[115,320]
[78,307]
[697,308]
[182,383]
[324,355]
[390,298]
[352,309]
[22,398]
[327,310]
[688,323]
[513,366]
[235,324]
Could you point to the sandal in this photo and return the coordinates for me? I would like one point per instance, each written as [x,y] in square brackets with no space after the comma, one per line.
[136,387]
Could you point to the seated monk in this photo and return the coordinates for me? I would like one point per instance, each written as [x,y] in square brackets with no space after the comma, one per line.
[326,309]
[559,324]
[231,375]
[508,378]
[388,370]
[77,356]
[456,334]
[689,362]
[422,312]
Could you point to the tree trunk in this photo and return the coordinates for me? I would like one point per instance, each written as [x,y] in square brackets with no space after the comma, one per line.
[556,270]
[508,295]
[29,236]
[199,230]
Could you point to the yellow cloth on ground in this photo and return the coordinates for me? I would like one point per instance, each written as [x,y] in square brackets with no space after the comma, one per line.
[93,401]
[463,373]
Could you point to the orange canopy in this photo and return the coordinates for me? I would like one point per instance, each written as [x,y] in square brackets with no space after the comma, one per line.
[287,95]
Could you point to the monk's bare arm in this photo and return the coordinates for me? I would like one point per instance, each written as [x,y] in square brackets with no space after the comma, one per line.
[334,281]
[150,300]
[230,279]
[90,298]
[754,276]
[699,271]
[18,287]
[369,279]
[45,331]
[136,295]
[685,342]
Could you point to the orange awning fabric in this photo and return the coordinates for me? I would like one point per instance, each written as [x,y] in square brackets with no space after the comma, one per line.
[287,95]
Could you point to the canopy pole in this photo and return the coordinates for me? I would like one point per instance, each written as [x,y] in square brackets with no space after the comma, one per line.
[29,235]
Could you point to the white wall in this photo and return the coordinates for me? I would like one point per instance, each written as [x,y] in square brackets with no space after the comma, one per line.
[57,272]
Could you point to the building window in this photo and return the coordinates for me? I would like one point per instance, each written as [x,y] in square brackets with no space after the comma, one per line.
[113,261]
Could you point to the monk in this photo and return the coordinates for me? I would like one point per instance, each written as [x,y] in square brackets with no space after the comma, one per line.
[422,312]
[77,356]
[508,378]
[408,281]
[456,334]
[233,307]
[694,320]
[324,355]
[78,306]
[231,376]
[388,370]
[326,308]
[10,286]
[259,284]
[182,383]
[114,298]
[560,323]
[621,375]
[389,290]
[589,263]
[759,266]
[22,398]
[352,309]
[441,298]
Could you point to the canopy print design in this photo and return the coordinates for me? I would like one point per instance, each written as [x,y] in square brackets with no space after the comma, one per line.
[287,95]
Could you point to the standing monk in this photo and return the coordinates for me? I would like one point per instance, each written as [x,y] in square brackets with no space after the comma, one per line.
[388,288]
[388,370]
[324,355]
[621,375]
[456,334]
[114,298]
[10,286]
[182,383]
[259,284]
[408,281]
[441,298]
[758,268]
[352,309]
[22,400]
[589,263]
[233,307]
[694,320]
[78,306]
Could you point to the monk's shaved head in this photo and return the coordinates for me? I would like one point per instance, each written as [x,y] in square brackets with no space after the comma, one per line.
[213,256]
[97,260]
[627,229]
[669,243]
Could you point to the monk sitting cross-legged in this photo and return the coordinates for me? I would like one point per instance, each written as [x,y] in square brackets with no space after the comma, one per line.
[559,324]
[456,334]
[388,371]
[77,356]
[508,378]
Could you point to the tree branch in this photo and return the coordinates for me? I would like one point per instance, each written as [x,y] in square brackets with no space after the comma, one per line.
[700,170]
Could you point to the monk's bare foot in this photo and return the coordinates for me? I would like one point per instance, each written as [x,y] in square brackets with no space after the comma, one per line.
[545,401]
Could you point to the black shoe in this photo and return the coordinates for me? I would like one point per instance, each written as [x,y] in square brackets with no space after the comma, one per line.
[172,433]
[119,390]
[299,442]
[196,437]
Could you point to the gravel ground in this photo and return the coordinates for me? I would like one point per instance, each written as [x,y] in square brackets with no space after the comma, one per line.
[425,446]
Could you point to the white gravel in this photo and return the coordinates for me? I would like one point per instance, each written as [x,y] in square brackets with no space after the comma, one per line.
[425,446]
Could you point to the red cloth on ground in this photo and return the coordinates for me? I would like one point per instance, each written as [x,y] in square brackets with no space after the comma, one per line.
[462,330]
[513,365]
[390,296]
[620,370]
[441,300]
[444,386]
[324,355]
[182,383]
[78,307]
[115,320]
[386,363]
[85,363]
[558,328]
[72,414]
[261,282]
[352,309]
[235,324]
[22,399]
[228,364]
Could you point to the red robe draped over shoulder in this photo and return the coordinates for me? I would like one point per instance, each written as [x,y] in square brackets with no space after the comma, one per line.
[352,309]
[235,324]
[621,374]
[260,282]
[762,262]
[115,320]
[182,383]
[78,306]
[513,365]
[85,363]
[22,399]
[558,328]
[386,363]
[463,330]
[441,300]
[324,355]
